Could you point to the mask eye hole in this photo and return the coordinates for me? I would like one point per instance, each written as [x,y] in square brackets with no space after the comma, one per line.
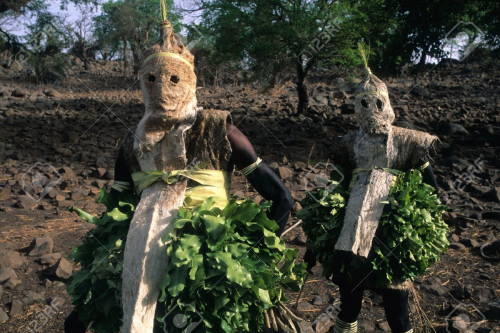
[151,78]
[363,102]
[174,79]
[379,104]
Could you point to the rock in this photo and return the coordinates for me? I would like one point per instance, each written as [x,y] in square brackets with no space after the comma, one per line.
[6,274]
[321,300]
[26,202]
[494,194]
[454,238]
[436,290]
[3,316]
[58,284]
[324,324]
[67,174]
[5,193]
[41,245]
[78,194]
[365,325]
[305,306]
[273,165]
[300,239]
[458,324]
[285,173]
[10,259]
[493,313]
[47,283]
[32,298]
[296,207]
[52,93]
[451,129]
[20,92]
[57,302]
[457,246]
[1,290]
[483,294]
[63,269]
[491,215]
[384,326]
[12,283]
[50,259]
[469,242]
[16,308]
[305,327]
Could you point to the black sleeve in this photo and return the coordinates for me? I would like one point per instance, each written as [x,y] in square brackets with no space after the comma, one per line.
[263,179]
[121,171]
[428,174]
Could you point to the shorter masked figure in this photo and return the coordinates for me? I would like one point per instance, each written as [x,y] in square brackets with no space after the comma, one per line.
[381,225]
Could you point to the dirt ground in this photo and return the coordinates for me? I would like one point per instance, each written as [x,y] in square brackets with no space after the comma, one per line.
[73,129]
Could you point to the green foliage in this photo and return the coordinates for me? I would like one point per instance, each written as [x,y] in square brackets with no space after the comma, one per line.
[411,228]
[96,288]
[323,217]
[228,265]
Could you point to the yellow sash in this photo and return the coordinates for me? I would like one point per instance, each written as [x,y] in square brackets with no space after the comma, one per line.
[214,183]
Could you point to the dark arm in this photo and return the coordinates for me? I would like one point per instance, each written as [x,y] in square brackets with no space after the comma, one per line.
[263,179]
[121,171]
[428,174]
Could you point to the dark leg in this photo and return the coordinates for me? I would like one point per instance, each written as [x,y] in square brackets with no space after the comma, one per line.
[350,302]
[72,324]
[396,309]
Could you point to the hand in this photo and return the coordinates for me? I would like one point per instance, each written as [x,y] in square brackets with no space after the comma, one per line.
[310,259]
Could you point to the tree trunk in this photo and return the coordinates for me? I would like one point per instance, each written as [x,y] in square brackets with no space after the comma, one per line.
[302,90]
[124,57]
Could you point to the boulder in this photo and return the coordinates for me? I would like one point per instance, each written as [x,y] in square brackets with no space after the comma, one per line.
[6,274]
[10,259]
[63,269]
[40,246]
[50,259]
[16,308]
[285,173]
[20,92]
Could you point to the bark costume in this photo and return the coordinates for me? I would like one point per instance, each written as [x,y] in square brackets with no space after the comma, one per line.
[375,159]
[153,163]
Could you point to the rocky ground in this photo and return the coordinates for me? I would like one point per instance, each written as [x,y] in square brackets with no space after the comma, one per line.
[68,132]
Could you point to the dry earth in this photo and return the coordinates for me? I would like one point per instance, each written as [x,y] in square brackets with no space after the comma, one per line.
[70,131]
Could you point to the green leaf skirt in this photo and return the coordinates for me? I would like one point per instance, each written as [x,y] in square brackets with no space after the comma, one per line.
[226,267]
[411,235]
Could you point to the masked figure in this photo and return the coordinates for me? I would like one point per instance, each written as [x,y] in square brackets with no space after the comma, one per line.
[173,134]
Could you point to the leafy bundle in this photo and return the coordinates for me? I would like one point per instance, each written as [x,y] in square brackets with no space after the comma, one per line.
[97,287]
[411,228]
[323,217]
[224,269]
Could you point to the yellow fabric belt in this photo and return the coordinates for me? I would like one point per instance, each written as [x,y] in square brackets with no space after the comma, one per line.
[170,55]
[213,183]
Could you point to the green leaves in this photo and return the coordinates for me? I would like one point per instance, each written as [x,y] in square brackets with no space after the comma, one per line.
[233,268]
[223,263]
[411,234]
[96,287]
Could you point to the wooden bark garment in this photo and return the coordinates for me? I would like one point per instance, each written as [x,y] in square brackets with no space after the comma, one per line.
[168,85]
[377,151]
[207,141]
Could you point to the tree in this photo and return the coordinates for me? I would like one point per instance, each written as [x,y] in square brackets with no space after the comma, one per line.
[132,22]
[273,37]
